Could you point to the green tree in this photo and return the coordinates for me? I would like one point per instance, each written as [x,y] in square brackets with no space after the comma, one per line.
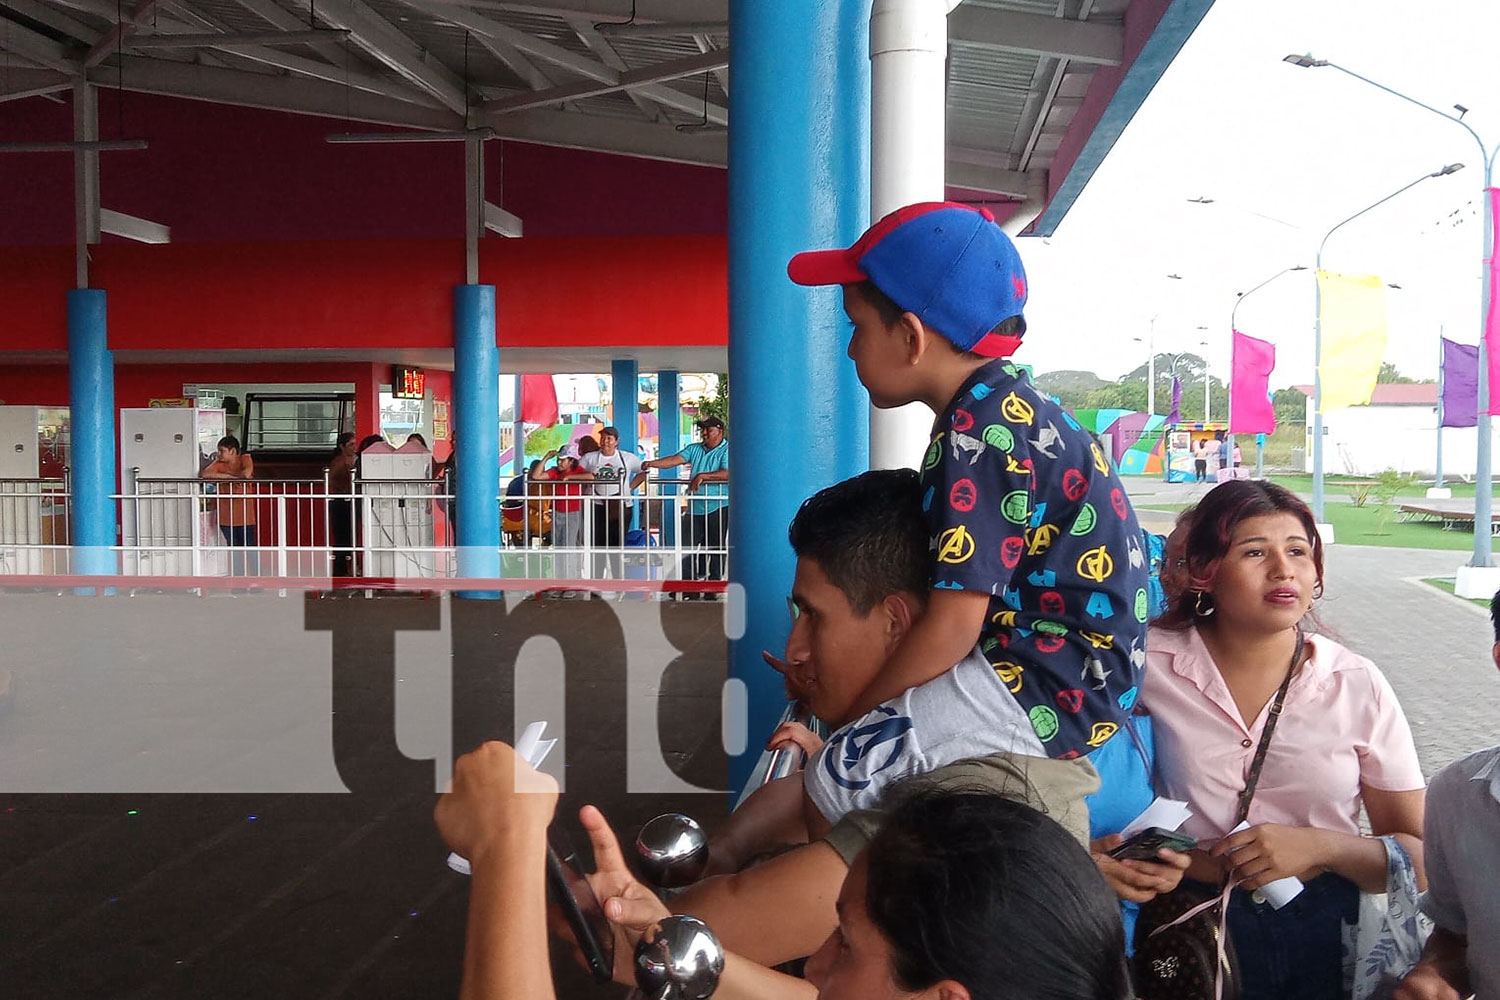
[1390,376]
[717,405]
[1290,405]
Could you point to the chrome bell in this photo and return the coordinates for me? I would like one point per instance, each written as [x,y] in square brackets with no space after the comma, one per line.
[678,958]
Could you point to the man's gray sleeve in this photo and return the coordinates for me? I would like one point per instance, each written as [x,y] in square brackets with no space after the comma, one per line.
[1442,901]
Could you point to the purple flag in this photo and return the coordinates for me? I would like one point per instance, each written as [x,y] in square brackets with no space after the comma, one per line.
[1175,417]
[1460,378]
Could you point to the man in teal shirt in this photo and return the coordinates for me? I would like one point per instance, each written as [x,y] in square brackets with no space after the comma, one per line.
[705,524]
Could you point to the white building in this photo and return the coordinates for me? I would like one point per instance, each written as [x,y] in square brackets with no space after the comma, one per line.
[1397,430]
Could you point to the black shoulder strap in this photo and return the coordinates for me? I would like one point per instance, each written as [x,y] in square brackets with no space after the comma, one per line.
[1253,778]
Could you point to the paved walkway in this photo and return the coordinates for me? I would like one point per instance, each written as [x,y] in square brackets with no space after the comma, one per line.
[1434,647]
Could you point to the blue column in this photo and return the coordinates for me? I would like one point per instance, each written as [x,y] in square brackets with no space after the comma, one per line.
[800,179]
[476,422]
[626,394]
[668,438]
[91,402]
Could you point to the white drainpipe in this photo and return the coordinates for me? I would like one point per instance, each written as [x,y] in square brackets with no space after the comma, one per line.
[1036,200]
[908,153]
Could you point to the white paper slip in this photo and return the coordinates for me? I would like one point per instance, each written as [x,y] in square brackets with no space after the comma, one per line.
[1280,892]
[1169,814]
[533,750]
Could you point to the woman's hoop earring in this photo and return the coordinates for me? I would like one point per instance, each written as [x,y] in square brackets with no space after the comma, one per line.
[1198,609]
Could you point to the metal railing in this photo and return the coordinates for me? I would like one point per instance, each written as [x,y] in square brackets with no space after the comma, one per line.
[35,527]
[385,529]
[561,530]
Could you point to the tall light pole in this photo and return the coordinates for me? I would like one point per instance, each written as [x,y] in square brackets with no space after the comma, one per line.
[1318,339]
[1204,344]
[1150,342]
[1234,326]
[1483,485]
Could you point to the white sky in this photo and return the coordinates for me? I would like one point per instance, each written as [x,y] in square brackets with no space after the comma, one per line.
[1285,153]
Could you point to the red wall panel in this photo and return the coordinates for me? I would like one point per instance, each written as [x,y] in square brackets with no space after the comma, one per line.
[649,291]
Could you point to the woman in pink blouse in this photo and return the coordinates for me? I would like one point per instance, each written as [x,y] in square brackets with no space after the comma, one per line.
[1254,565]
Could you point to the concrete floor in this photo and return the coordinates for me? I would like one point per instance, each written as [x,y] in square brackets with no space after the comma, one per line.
[147,882]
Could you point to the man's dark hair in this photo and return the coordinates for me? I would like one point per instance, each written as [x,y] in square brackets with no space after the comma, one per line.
[890,314]
[951,870]
[229,441]
[867,535]
[611,431]
[1495,614]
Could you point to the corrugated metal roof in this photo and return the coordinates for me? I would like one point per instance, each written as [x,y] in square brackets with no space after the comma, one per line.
[1000,107]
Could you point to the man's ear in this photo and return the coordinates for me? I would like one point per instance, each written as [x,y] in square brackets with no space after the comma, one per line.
[949,990]
[1495,653]
[900,611]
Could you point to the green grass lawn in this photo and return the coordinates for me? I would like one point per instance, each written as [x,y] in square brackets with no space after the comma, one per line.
[1445,584]
[1335,486]
[1361,526]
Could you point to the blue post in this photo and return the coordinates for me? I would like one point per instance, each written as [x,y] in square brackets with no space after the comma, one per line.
[91,401]
[626,411]
[801,179]
[476,423]
[668,440]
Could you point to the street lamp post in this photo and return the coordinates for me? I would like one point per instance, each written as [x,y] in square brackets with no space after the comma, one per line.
[1234,326]
[1318,337]
[1206,412]
[1483,485]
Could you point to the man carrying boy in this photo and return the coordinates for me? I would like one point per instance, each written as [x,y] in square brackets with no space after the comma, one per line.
[1035,551]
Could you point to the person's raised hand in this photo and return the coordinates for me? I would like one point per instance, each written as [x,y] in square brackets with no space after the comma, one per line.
[795,734]
[1265,853]
[494,795]
[1424,982]
[629,906]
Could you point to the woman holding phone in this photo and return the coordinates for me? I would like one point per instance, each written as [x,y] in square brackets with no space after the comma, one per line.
[1218,661]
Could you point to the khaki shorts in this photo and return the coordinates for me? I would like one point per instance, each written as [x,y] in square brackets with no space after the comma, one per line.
[1055,788]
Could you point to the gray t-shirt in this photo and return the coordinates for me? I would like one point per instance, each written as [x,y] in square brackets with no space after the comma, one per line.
[611,472]
[1461,845]
[965,712]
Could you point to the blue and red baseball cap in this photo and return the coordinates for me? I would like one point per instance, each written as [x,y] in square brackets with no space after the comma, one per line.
[949,264]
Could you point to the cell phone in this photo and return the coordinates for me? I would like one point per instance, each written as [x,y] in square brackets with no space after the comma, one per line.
[571,891]
[1145,845]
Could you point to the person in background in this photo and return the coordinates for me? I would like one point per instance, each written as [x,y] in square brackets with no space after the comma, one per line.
[706,522]
[1463,897]
[341,504]
[566,487]
[1200,460]
[522,519]
[1215,662]
[612,470]
[235,504]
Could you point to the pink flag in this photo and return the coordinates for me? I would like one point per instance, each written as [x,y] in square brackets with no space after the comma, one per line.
[1250,410]
[1492,321]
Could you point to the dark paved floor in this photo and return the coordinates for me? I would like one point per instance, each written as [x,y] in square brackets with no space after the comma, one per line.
[274,893]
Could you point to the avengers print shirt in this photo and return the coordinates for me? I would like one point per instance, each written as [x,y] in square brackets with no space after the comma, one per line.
[1022,503]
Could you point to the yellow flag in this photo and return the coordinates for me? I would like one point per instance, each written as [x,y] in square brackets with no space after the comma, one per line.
[1354,332]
